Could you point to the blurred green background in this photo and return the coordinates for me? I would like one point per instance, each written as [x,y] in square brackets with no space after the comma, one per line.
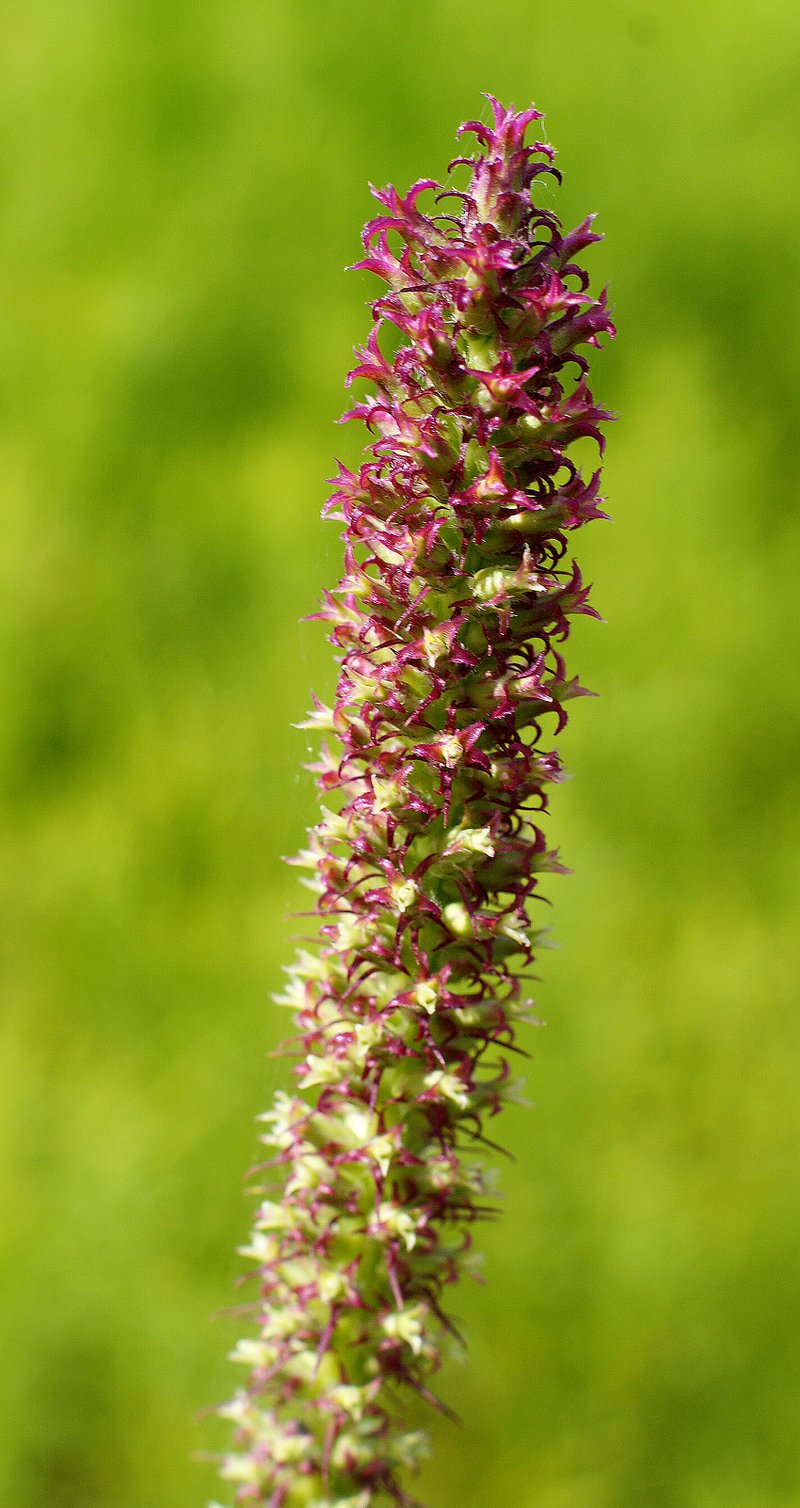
[182,184]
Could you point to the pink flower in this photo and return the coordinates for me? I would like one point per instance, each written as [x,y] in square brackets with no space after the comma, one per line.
[458,585]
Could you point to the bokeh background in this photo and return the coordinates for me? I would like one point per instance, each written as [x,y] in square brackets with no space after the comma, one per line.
[182,184]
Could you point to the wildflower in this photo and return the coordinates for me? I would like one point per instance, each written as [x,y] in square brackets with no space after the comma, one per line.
[448,624]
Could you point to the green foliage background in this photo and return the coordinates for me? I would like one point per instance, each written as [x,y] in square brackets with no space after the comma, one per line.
[182,184]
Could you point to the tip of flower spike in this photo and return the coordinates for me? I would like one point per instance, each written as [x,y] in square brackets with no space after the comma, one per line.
[522,118]
[509,125]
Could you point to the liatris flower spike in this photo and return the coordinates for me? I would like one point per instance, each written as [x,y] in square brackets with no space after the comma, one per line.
[448,623]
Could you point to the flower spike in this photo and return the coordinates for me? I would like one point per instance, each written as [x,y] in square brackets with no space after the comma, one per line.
[458,585]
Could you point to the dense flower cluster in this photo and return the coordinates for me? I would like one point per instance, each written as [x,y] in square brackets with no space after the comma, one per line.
[457,590]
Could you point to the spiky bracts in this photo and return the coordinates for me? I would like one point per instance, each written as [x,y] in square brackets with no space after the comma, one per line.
[458,587]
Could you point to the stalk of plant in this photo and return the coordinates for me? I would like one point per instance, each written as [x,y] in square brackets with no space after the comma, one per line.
[448,624]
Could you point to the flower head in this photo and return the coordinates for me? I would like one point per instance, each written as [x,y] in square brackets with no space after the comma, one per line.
[458,587]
